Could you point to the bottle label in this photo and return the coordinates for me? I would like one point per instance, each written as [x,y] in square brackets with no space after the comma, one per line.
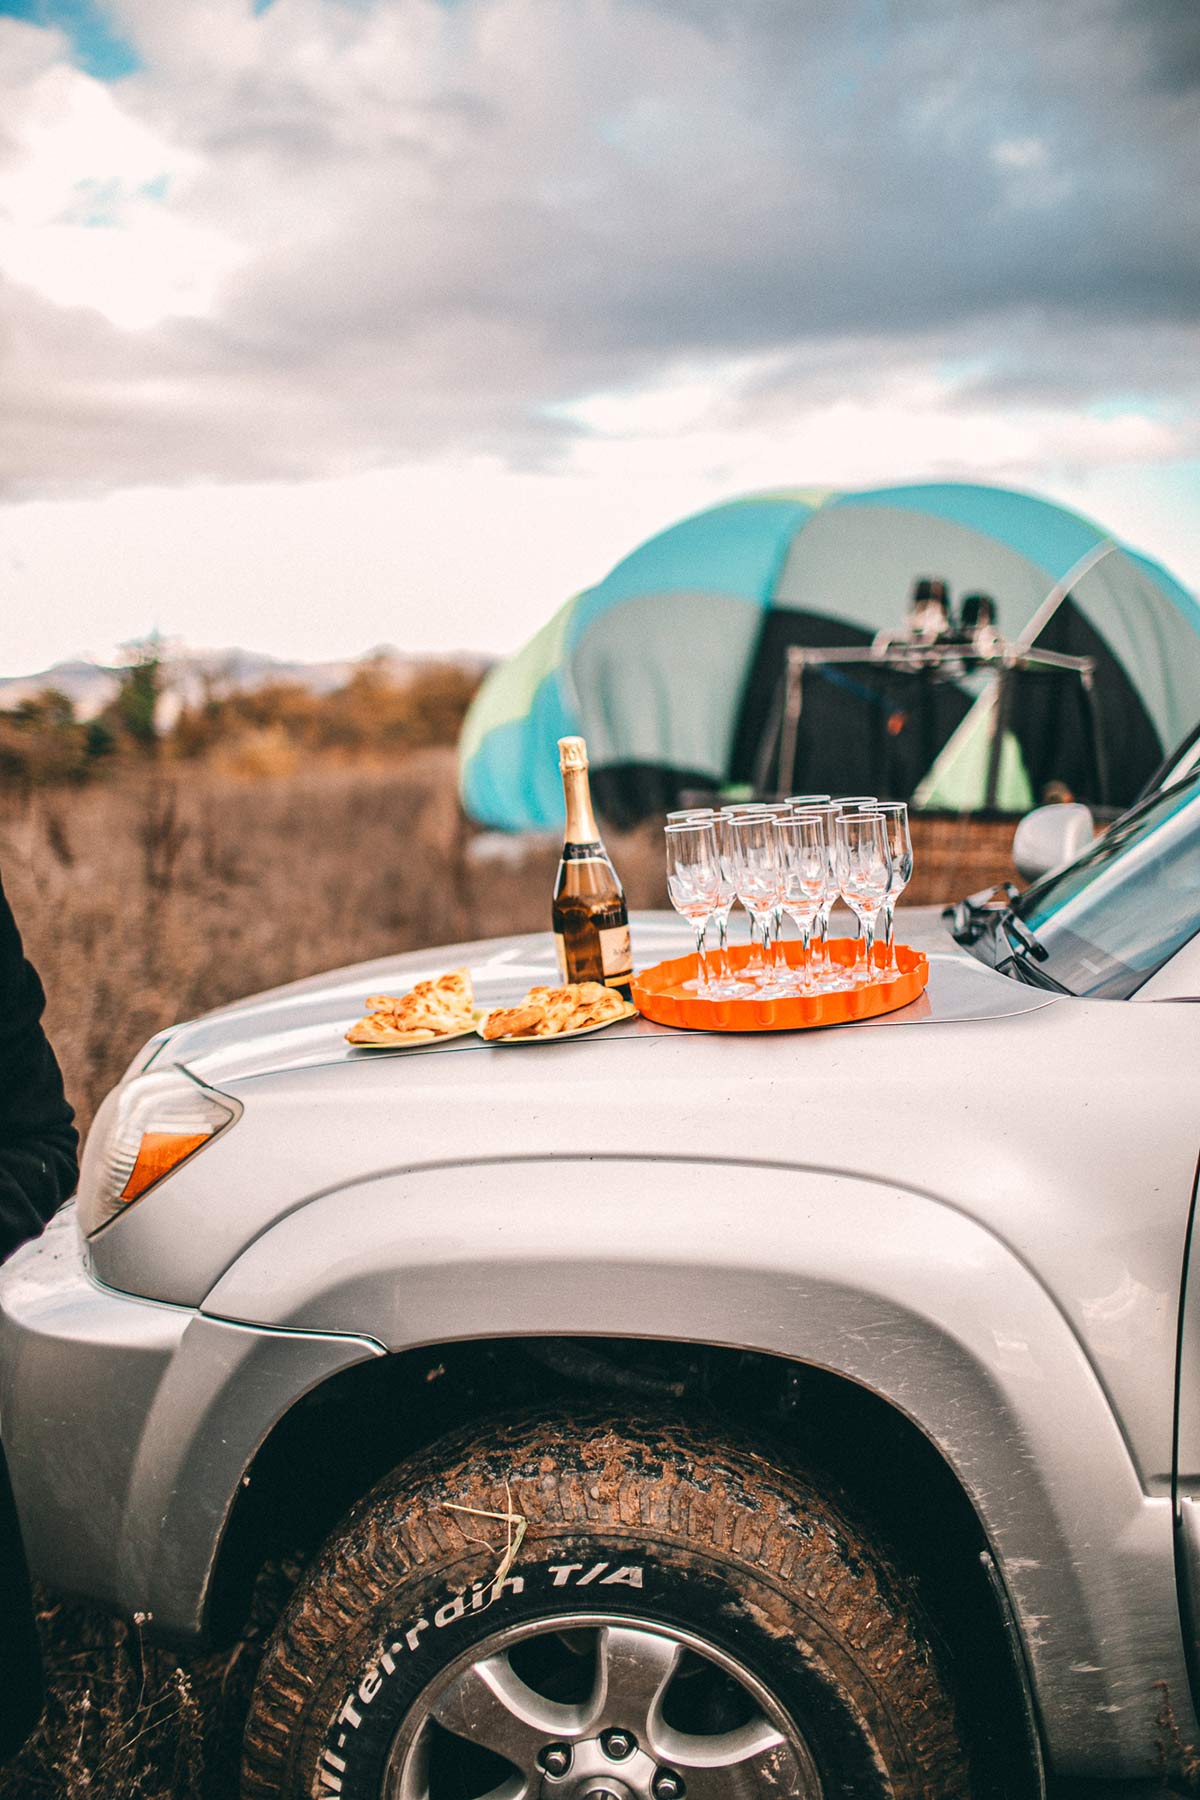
[593,852]
[616,955]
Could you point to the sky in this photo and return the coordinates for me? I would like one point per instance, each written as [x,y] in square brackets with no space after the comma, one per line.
[326,324]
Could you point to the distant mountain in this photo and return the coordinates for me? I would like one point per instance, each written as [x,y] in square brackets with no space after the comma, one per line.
[189,673]
[87,684]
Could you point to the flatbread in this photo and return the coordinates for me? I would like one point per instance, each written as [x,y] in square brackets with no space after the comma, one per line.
[555,1011]
[432,1009]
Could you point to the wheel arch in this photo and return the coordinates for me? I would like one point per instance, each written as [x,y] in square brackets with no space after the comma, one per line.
[896,1292]
[360,1423]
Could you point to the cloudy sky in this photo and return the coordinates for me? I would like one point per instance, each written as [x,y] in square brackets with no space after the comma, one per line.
[327,323]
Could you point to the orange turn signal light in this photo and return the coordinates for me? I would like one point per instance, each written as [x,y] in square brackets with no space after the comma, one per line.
[158,1153]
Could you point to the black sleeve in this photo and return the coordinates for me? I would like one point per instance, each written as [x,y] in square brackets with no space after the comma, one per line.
[38,1140]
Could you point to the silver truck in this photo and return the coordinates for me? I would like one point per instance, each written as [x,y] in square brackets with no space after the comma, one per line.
[659,1415]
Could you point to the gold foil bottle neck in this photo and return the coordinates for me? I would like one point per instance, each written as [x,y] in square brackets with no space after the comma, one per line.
[572,753]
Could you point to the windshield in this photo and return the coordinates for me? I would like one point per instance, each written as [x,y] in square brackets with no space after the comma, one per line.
[1120,911]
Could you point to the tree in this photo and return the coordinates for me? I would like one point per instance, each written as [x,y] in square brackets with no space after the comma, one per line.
[134,709]
[41,741]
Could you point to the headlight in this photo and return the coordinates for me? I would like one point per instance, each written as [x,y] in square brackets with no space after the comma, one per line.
[143,1132]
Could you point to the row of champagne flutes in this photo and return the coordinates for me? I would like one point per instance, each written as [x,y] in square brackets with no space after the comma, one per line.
[789,859]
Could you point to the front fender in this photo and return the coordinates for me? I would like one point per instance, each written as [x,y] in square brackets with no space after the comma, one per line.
[890,1288]
[128,1426]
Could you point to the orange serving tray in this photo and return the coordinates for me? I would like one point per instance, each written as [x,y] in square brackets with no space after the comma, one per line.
[659,993]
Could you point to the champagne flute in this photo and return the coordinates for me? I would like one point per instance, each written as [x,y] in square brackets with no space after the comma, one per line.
[738,809]
[694,882]
[725,982]
[779,975]
[846,803]
[693,815]
[722,983]
[756,874]
[827,974]
[895,821]
[777,809]
[804,878]
[864,873]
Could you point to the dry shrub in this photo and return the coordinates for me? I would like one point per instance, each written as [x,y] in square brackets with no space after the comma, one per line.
[42,742]
[126,1720]
[266,752]
[189,891]
[120,1719]
[376,712]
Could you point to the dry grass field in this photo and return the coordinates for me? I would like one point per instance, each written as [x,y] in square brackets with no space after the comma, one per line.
[172,890]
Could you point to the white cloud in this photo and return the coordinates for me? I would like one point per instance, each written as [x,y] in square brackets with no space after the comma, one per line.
[135,275]
[86,218]
[351,234]
[906,422]
[467,552]
[1019,153]
[559,269]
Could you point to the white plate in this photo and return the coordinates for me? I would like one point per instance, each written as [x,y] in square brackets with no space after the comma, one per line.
[558,1037]
[403,1040]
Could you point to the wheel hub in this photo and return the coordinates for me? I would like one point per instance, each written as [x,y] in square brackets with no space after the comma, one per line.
[625,1739]
[596,1775]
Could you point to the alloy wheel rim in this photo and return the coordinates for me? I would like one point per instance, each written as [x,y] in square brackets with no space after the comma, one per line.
[492,1725]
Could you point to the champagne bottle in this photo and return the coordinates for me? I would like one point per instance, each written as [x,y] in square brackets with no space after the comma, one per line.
[591,921]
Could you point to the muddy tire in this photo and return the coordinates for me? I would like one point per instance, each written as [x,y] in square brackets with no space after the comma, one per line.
[726,1619]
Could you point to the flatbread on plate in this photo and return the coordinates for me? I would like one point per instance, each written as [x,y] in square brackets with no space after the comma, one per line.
[443,1007]
[557,1012]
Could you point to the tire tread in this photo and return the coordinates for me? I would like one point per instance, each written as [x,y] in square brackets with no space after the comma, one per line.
[664,1477]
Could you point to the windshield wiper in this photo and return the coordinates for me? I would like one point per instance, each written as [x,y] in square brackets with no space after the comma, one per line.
[1020,965]
[978,916]
[1023,941]
[972,918]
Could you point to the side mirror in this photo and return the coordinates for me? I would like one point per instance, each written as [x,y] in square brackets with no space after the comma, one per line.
[1050,836]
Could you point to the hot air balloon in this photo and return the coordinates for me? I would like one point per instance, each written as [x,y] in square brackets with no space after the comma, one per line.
[966,647]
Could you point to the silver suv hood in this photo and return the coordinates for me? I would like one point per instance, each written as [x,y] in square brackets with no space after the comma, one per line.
[303,1025]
